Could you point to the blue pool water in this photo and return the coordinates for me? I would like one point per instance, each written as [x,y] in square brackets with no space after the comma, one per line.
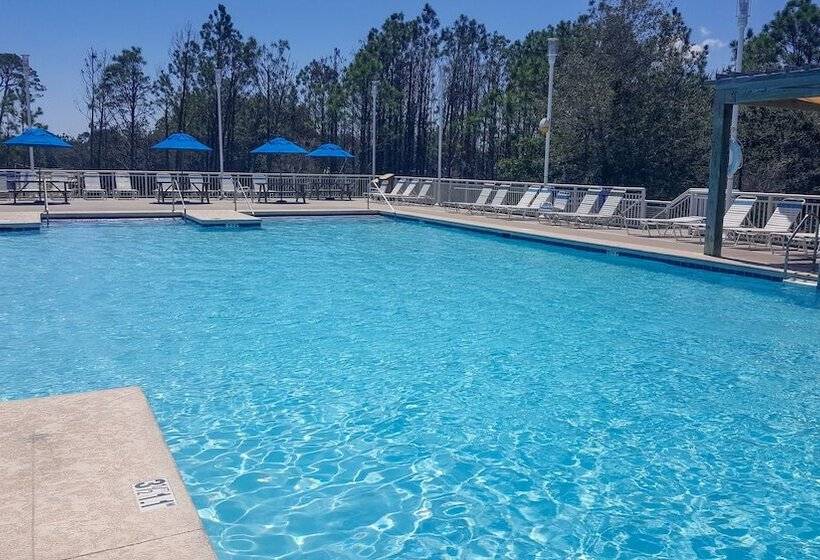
[375,388]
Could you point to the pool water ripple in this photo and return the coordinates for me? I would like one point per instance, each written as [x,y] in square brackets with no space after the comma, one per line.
[370,388]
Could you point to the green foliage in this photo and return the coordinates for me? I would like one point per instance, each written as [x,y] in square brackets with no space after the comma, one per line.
[781,146]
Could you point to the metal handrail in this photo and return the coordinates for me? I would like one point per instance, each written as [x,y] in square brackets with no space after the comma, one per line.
[238,185]
[374,187]
[806,218]
[181,198]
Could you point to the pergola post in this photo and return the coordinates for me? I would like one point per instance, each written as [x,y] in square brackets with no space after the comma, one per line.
[718,172]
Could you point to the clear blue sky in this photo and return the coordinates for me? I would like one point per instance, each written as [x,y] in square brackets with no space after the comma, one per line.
[57,33]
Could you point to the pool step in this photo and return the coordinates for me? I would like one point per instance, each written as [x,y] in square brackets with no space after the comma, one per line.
[20,220]
[210,217]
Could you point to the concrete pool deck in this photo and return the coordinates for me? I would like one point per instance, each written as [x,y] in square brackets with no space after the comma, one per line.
[757,261]
[68,471]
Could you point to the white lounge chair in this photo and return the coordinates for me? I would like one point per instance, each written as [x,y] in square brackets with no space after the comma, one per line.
[92,187]
[734,217]
[406,193]
[585,207]
[524,202]
[495,204]
[560,203]
[481,200]
[607,213]
[779,223]
[675,225]
[397,188]
[122,186]
[422,196]
[543,199]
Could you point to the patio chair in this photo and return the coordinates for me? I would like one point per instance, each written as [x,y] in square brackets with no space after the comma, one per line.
[406,193]
[422,196]
[734,217]
[780,222]
[541,200]
[665,224]
[122,186]
[560,203]
[524,202]
[481,200]
[496,203]
[259,185]
[397,188]
[585,207]
[92,187]
[227,187]
[607,213]
[166,186]
[196,186]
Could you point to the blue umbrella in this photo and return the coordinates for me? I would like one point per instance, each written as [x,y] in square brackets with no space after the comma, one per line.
[279,145]
[330,150]
[36,137]
[181,142]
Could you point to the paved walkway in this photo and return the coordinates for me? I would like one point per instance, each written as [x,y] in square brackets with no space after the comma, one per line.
[68,469]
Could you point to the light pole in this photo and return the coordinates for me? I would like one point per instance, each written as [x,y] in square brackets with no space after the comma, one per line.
[440,124]
[218,77]
[552,55]
[742,22]
[374,92]
[26,100]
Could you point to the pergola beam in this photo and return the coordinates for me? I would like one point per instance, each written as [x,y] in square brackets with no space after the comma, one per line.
[799,89]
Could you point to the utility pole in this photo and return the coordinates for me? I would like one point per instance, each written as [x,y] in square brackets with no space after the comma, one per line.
[440,123]
[546,124]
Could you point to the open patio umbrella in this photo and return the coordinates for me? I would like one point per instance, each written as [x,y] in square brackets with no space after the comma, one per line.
[279,146]
[36,137]
[330,151]
[182,142]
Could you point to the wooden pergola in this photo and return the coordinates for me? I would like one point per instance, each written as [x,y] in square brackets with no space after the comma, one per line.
[791,89]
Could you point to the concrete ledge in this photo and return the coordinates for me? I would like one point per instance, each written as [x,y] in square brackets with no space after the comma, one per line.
[20,220]
[221,218]
[67,473]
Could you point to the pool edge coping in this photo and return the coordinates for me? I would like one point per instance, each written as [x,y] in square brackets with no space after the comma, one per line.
[96,445]
[701,262]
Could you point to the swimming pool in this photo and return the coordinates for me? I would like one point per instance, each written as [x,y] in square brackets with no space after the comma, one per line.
[377,388]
